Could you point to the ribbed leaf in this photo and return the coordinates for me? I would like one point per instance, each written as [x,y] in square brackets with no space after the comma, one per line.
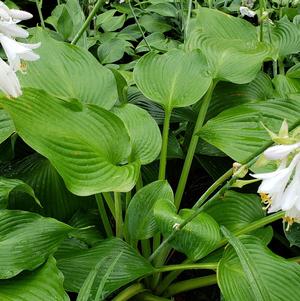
[197,239]
[9,185]
[85,143]
[140,220]
[57,201]
[279,277]
[130,266]
[68,71]
[39,285]
[230,45]
[27,239]
[238,131]
[159,80]
[143,131]
[293,235]
[235,210]
[6,126]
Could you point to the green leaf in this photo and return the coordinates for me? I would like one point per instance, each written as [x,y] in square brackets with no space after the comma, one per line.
[156,77]
[235,210]
[238,131]
[111,51]
[293,234]
[38,285]
[9,185]
[155,23]
[230,45]
[163,9]
[6,126]
[143,131]
[68,71]
[27,239]
[130,266]
[88,146]
[257,287]
[57,201]
[64,23]
[279,278]
[140,220]
[197,239]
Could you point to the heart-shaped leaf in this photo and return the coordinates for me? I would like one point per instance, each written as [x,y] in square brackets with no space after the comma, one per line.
[159,80]
[88,145]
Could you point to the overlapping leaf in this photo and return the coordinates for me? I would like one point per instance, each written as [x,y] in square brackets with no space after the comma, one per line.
[27,239]
[39,285]
[6,126]
[197,239]
[143,131]
[68,71]
[130,266]
[88,145]
[278,277]
[140,220]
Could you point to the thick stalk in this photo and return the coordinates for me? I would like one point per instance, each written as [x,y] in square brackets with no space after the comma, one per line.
[119,216]
[87,21]
[110,203]
[130,292]
[192,266]
[191,284]
[164,148]
[103,215]
[187,23]
[193,145]
[39,4]
[146,247]
[149,297]
[261,20]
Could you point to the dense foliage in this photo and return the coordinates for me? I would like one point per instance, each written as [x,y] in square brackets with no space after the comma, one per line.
[133,138]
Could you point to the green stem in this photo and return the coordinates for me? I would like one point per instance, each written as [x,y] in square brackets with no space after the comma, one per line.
[139,183]
[128,198]
[212,188]
[87,21]
[146,296]
[39,5]
[281,67]
[119,216]
[187,24]
[261,20]
[130,292]
[193,266]
[164,148]
[146,247]
[103,215]
[251,227]
[110,203]
[191,284]
[295,259]
[193,145]
[139,26]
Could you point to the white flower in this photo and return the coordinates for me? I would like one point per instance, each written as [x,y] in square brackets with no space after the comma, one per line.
[245,11]
[19,15]
[11,29]
[273,184]
[279,152]
[16,51]
[9,82]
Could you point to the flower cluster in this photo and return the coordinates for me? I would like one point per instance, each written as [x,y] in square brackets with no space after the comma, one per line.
[15,51]
[280,190]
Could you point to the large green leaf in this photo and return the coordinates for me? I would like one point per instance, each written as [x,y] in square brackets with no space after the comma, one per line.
[197,239]
[140,220]
[230,45]
[39,285]
[143,131]
[88,145]
[27,239]
[130,266]
[68,71]
[279,277]
[166,79]
[238,131]
[6,126]
[9,185]
[235,210]
[57,201]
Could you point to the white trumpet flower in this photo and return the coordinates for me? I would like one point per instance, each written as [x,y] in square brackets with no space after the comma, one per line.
[279,152]
[245,11]
[9,82]
[16,51]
